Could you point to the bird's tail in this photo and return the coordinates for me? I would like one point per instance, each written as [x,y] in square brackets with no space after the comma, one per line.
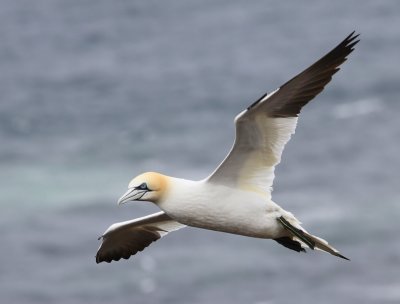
[303,238]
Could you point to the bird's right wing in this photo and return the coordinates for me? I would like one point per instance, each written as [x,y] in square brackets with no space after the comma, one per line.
[264,128]
[121,240]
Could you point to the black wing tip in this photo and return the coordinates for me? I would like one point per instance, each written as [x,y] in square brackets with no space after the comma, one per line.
[349,42]
[351,38]
[116,256]
[344,48]
[325,67]
[100,259]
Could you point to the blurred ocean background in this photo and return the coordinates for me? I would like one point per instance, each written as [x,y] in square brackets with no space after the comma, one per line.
[93,93]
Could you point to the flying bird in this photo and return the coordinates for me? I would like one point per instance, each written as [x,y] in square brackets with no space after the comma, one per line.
[236,197]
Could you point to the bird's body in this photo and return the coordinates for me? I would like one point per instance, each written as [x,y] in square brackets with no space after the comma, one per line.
[236,197]
[216,207]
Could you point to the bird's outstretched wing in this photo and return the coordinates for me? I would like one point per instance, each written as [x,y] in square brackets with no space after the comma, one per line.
[121,240]
[264,128]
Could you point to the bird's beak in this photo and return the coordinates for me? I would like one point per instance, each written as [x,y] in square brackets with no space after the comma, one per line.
[132,194]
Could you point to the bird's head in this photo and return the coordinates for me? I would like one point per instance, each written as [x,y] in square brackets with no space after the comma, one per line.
[149,186]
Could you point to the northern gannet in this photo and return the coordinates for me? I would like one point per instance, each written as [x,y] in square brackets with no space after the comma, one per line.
[236,197]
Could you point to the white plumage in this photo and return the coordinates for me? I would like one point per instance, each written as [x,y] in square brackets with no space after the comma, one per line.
[236,197]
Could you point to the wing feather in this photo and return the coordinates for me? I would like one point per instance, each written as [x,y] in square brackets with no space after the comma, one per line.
[124,239]
[264,128]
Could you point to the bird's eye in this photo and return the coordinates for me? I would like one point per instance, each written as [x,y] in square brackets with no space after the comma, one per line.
[143,186]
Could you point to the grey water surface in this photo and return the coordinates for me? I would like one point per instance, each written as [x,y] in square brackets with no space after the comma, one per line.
[93,93]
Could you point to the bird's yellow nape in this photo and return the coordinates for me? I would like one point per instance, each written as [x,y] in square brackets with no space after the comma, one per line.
[156,183]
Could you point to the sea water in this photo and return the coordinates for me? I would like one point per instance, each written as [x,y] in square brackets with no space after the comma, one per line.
[93,93]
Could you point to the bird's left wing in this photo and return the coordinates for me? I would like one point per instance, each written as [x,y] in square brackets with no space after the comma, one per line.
[264,128]
[121,240]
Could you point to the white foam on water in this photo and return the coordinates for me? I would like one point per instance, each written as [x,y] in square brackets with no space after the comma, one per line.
[361,107]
